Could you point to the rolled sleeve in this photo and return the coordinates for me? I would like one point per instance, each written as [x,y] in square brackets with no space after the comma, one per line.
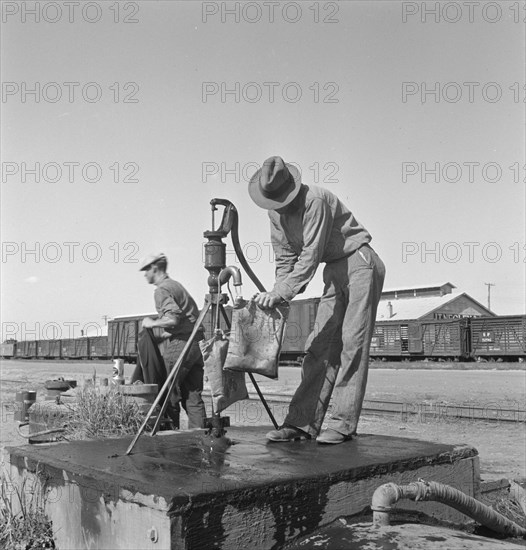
[166,305]
[316,229]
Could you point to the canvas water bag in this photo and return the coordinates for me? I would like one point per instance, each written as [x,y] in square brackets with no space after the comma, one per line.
[255,339]
[226,387]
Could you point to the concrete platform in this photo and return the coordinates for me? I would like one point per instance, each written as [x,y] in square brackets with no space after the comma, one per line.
[186,490]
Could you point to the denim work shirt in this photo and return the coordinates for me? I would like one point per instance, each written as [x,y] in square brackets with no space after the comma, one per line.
[173,300]
[320,229]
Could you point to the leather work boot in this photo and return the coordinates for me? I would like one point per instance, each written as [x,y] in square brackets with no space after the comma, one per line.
[287,433]
[332,437]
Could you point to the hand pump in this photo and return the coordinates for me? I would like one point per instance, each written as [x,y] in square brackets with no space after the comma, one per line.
[219,274]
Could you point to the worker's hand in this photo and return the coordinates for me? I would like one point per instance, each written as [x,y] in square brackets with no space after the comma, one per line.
[268,300]
[147,322]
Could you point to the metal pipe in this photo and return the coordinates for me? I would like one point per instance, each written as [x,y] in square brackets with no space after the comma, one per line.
[230,271]
[37,434]
[388,494]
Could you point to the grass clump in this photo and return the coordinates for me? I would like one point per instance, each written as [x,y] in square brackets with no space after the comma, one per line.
[23,522]
[101,413]
[502,502]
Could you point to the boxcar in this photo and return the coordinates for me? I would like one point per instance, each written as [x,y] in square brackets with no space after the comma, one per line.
[387,340]
[123,336]
[75,348]
[498,337]
[27,349]
[49,349]
[444,338]
[123,333]
[420,339]
[98,347]
[300,323]
[8,349]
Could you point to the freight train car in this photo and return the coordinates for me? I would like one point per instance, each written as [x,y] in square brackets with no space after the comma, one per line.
[300,323]
[49,349]
[498,337]
[421,339]
[387,340]
[75,348]
[8,349]
[98,347]
[26,349]
[442,339]
[123,336]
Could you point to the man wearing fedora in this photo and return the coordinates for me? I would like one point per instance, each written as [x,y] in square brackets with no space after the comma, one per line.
[177,314]
[308,226]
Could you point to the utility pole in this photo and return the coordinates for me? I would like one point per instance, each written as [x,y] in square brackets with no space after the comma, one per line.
[105,317]
[489,285]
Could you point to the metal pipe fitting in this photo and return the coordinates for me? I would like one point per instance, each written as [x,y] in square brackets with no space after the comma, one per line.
[388,494]
[230,271]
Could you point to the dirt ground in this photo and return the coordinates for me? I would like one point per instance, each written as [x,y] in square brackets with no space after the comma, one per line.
[500,445]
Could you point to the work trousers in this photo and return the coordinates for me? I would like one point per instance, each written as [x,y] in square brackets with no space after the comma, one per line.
[189,383]
[337,351]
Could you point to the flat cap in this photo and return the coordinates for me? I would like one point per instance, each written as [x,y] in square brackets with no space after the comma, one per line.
[145,262]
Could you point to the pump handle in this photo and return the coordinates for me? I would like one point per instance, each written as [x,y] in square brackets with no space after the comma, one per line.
[227,221]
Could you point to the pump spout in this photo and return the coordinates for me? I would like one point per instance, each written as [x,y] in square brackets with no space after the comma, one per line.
[230,271]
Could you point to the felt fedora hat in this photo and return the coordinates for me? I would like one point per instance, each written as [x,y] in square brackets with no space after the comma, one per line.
[275,185]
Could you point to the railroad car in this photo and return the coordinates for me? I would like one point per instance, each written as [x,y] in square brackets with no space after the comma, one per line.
[8,349]
[501,337]
[75,348]
[387,340]
[49,349]
[123,336]
[421,339]
[300,323]
[441,339]
[98,347]
[27,349]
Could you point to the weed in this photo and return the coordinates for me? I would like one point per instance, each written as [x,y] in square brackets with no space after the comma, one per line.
[23,523]
[101,413]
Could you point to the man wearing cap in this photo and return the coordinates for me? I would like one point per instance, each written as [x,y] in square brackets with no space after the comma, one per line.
[308,226]
[178,313]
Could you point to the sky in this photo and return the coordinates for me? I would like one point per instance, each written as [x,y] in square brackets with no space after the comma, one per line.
[121,120]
